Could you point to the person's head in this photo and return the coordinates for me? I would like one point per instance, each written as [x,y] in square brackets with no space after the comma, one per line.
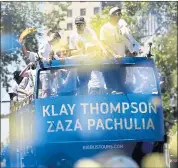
[31,42]
[63,51]
[54,37]
[115,15]
[17,77]
[80,24]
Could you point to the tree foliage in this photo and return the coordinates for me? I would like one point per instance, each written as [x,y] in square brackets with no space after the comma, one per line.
[24,15]
[57,15]
[166,54]
[21,15]
[136,14]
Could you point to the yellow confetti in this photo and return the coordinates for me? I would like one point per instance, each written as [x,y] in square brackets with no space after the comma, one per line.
[154,160]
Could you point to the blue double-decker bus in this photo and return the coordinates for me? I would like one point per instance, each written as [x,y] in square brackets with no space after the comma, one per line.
[87,109]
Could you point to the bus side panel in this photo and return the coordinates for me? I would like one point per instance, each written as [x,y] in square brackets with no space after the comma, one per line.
[21,133]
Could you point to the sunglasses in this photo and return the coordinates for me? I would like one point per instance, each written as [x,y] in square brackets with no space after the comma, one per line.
[117,14]
[79,24]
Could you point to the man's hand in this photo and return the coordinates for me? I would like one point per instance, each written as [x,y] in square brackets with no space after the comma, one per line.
[28,93]
[42,59]
[30,64]
[105,52]
[135,53]
[63,70]
[117,56]
[49,60]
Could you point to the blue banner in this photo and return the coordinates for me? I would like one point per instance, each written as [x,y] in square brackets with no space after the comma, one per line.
[99,118]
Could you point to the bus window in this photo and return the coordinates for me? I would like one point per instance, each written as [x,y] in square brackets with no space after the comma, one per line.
[101,80]
[57,82]
[141,80]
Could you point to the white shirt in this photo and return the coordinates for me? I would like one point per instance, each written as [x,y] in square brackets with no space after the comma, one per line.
[32,75]
[115,40]
[87,38]
[14,88]
[126,32]
[96,80]
[45,49]
[33,56]
[27,85]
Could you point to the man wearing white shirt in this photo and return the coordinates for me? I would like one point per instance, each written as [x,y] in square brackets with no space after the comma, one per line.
[13,93]
[17,93]
[85,41]
[84,38]
[116,35]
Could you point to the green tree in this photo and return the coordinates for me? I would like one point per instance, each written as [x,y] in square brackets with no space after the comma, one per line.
[57,15]
[24,15]
[165,52]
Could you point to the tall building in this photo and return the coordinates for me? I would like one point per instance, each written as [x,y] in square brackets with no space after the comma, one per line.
[79,8]
[86,9]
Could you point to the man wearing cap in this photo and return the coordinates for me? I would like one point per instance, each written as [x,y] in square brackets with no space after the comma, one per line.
[84,42]
[84,39]
[116,35]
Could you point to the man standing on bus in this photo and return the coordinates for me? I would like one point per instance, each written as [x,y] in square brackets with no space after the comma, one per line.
[115,34]
[85,42]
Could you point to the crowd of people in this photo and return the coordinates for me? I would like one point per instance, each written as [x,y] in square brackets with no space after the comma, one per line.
[115,41]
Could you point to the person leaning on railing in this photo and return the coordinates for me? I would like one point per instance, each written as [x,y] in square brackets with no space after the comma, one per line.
[84,43]
[116,36]
[25,88]
[13,93]
[17,92]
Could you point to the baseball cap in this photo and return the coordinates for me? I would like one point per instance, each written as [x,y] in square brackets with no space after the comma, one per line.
[79,19]
[114,10]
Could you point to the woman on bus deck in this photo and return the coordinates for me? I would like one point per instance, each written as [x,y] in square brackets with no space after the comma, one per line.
[18,92]
[13,93]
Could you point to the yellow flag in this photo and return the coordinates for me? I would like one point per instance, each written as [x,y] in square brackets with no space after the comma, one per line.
[26,32]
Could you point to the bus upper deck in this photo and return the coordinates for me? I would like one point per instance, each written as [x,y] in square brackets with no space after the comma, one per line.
[129,75]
